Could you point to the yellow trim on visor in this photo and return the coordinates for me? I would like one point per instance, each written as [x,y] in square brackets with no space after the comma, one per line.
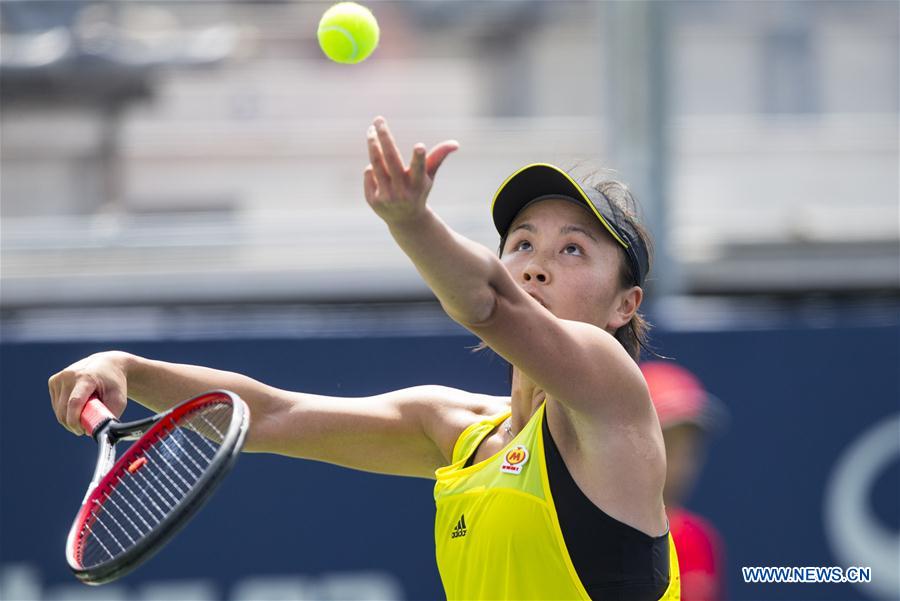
[575,187]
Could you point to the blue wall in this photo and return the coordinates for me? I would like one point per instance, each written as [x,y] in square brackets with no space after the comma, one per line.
[797,398]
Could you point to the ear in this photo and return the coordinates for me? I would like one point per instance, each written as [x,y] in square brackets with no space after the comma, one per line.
[628,303]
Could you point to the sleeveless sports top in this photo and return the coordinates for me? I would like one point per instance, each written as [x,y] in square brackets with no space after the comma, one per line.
[498,533]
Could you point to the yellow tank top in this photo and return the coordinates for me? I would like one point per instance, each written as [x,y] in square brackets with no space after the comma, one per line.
[496,531]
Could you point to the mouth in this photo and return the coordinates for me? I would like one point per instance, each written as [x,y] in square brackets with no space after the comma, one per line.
[538,299]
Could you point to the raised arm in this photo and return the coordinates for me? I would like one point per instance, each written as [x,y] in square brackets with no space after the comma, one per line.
[406,432]
[574,362]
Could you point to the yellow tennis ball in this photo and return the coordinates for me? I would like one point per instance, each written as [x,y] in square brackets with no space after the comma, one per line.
[348,32]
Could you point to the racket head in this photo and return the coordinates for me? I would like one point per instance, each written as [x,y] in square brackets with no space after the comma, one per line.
[156,486]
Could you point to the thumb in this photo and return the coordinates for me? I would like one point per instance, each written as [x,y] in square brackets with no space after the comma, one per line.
[437,155]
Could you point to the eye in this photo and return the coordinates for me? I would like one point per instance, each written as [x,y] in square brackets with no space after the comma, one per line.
[522,245]
[572,249]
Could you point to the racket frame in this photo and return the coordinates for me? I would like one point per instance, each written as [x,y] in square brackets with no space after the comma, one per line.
[146,431]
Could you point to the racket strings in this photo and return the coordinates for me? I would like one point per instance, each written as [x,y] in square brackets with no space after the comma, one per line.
[146,491]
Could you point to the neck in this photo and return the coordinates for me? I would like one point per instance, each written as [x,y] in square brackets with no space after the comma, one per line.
[525,399]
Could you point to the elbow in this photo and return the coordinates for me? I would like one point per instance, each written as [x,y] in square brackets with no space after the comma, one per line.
[483,295]
[498,293]
[481,310]
[259,436]
[270,419]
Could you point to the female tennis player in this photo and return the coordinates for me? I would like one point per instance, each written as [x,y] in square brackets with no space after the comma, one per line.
[554,492]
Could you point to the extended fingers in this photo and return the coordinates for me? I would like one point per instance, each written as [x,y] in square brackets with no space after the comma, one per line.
[392,159]
[376,158]
[388,180]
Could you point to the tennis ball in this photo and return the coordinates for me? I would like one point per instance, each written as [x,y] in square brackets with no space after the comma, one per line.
[348,33]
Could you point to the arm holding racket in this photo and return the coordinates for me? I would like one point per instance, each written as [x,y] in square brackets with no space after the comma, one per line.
[405,432]
[136,503]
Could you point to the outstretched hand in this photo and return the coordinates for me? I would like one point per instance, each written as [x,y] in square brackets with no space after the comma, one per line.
[395,192]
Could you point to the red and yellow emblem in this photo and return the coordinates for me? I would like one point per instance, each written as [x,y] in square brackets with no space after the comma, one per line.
[514,460]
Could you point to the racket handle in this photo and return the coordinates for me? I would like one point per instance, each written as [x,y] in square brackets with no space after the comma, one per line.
[95,415]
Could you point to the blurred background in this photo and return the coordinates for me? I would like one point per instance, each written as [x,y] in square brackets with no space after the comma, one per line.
[184,180]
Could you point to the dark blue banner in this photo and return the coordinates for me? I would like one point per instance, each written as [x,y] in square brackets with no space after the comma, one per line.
[807,473]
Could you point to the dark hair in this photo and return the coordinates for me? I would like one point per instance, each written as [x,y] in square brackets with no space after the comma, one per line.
[633,336]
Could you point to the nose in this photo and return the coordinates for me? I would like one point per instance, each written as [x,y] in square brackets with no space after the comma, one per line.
[536,272]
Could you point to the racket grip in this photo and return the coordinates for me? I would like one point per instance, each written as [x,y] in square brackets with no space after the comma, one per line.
[95,415]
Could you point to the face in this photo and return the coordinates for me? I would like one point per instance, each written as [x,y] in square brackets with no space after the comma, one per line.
[560,253]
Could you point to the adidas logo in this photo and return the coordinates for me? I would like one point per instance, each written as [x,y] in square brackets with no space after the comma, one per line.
[460,529]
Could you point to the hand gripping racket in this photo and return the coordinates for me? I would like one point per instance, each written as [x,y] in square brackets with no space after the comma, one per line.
[135,505]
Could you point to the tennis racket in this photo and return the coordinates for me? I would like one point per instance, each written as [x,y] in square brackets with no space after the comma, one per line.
[135,505]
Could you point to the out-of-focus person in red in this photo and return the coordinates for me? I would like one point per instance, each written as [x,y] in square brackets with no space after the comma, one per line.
[687,415]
